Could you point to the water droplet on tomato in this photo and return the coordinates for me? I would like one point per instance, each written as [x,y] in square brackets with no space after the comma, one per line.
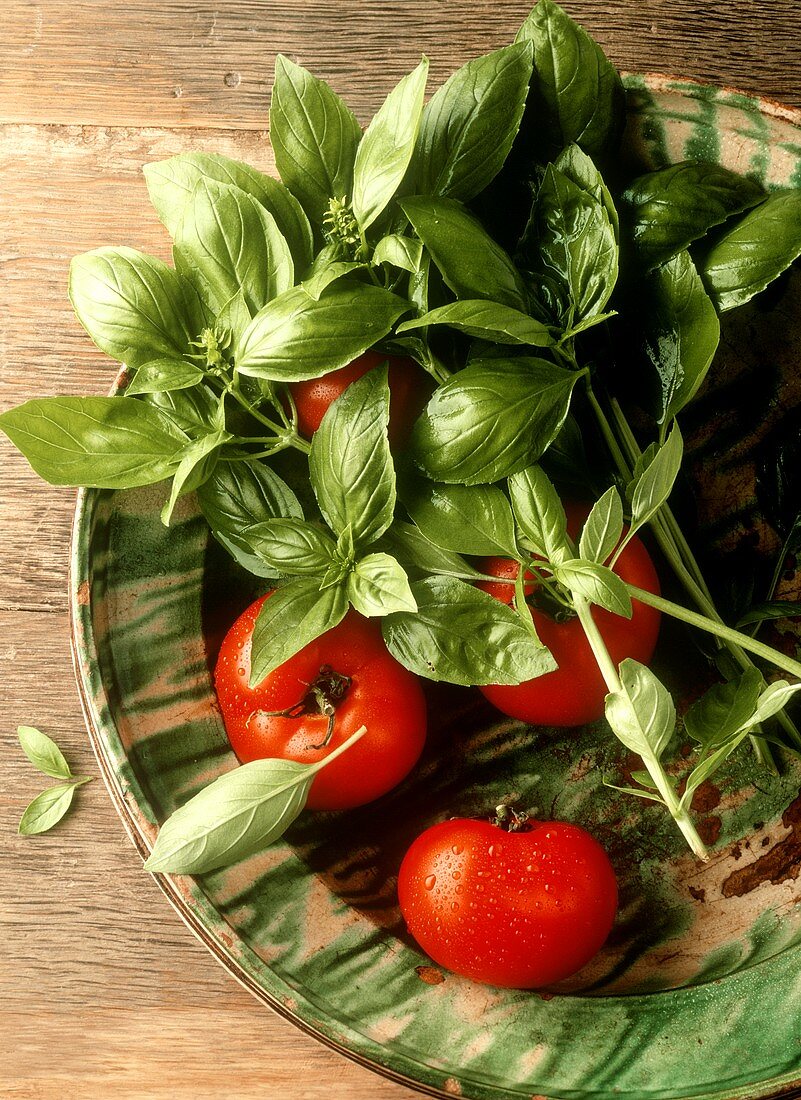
[457,849]
[430,882]
[491,850]
[455,906]
[457,874]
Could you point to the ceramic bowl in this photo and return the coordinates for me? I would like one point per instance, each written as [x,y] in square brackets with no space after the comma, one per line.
[698,991]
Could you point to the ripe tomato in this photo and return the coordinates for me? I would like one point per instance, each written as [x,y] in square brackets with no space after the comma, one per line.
[409,389]
[520,909]
[352,670]
[574,693]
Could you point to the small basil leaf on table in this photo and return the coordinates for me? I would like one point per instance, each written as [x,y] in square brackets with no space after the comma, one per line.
[293,616]
[463,636]
[163,375]
[539,513]
[295,337]
[386,147]
[466,519]
[412,546]
[197,462]
[492,419]
[43,752]
[134,307]
[350,465]
[238,496]
[470,123]
[641,714]
[603,527]
[754,252]
[665,211]
[655,483]
[378,585]
[487,321]
[577,92]
[171,182]
[227,242]
[771,610]
[595,583]
[314,137]
[292,546]
[472,264]
[47,809]
[400,251]
[99,442]
[723,709]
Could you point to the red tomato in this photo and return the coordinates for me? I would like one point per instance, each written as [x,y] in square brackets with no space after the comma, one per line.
[574,693]
[376,692]
[408,384]
[521,910]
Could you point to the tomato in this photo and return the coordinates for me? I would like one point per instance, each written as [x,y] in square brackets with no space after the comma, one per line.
[574,693]
[516,909]
[409,389]
[352,670]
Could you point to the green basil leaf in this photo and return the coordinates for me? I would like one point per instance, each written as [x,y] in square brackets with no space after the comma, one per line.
[317,283]
[463,636]
[171,182]
[577,92]
[682,332]
[43,752]
[387,146]
[410,544]
[350,465]
[574,163]
[755,251]
[668,209]
[539,514]
[234,317]
[162,375]
[470,123]
[603,528]
[192,411]
[468,519]
[487,321]
[774,698]
[236,815]
[296,338]
[649,796]
[494,418]
[641,714]
[47,809]
[656,482]
[198,460]
[292,617]
[133,306]
[314,137]
[101,442]
[400,251]
[595,583]
[772,610]
[723,710]
[472,264]
[378,585]
[292,546]
[227,242]
[238,496]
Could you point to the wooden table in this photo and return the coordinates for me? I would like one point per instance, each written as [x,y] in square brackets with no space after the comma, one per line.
[103,991]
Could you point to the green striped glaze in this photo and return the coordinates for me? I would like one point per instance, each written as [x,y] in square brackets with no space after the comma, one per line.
[698,992]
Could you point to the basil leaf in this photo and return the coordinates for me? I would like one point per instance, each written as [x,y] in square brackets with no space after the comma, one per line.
[234,317]
[317,283]
[494,418]
[682,332]
[595,583]
[576,92]
[723,709]
[755,251]
[656,482]
[378,585]
[470,123]
[474,519]
[192,410]
[487,321]
[411,544]
[641,714]
[162,375]
[133,306]
[772,610]
[198,460]
[603,528]
[101,442]
[227,242]
[539,514]
[238,496]
[400,251]
[668,209]
[47,809]
[43,752]
[387,146]
[649,796]
[296,338]
[574,163]
[472,264]
[350,465]
[292,546]
[292,617]
[314,137]
[463,636]
[171,182]
[242,811]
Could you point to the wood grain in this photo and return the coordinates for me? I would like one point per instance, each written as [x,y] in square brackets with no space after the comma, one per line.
[103,991]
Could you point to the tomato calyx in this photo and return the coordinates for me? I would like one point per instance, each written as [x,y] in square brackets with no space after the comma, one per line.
[510,820]
[323,696]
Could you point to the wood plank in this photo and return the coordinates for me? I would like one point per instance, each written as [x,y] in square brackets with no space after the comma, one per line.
[186,63]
